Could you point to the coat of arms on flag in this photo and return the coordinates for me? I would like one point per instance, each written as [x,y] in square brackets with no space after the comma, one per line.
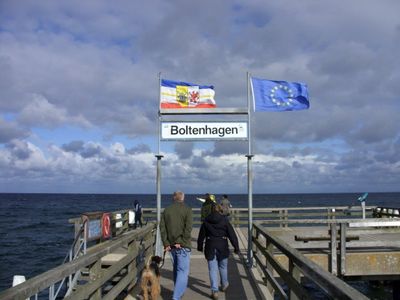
[175,94]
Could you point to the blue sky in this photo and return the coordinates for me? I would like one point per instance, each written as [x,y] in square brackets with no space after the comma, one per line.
[79,94]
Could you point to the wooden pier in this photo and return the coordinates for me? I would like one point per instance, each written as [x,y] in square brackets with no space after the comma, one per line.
[242,286]
[323,245]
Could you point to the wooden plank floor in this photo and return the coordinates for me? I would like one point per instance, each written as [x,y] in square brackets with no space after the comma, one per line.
[241,286]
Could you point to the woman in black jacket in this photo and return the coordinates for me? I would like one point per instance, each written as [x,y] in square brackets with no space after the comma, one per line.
[216,230]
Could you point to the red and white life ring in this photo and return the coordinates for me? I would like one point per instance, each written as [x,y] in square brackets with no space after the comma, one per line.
[106,226]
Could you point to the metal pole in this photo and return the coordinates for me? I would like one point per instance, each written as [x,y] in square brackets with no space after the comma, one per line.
[249,111]
[249,181]
[250,227]
[363,209]
[159,117]
[159,249]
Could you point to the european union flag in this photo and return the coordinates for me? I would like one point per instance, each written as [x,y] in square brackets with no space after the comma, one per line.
[270,95]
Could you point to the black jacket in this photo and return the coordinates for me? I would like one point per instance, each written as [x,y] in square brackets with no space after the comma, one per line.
[216,230]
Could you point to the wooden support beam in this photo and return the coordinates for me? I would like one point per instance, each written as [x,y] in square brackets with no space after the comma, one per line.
[333,247]
[343,240]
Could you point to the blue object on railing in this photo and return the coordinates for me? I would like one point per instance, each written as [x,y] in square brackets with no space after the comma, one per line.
[363,197]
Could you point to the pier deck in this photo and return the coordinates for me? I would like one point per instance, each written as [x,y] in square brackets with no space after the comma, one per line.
[241,285]
[289,248]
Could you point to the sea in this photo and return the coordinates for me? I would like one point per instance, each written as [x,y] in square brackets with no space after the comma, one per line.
[35,234]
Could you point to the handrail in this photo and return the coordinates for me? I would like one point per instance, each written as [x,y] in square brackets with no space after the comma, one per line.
[298,263]
[93,256]
[342,209]
[278,216]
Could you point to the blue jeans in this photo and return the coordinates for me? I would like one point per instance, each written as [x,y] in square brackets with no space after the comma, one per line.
[181,263]
[214,266]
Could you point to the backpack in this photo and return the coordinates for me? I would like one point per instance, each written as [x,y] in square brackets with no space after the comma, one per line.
[225,207]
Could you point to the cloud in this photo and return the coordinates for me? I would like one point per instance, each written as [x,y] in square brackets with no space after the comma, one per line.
[184,150]
[40,112]
[19,150]
[10,131]
[74,146]
[140,148]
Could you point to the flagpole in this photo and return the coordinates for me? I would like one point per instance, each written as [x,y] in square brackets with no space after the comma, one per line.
[249,180]
[159,250]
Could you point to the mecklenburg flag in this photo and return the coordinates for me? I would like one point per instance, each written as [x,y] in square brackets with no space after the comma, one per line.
[270,95]
[178,94]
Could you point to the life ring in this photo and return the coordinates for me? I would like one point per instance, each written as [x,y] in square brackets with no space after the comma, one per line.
[105,226]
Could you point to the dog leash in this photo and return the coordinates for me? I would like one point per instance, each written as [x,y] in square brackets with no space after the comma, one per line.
[163,259]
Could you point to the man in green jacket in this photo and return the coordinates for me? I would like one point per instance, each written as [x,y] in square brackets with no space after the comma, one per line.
[176,228]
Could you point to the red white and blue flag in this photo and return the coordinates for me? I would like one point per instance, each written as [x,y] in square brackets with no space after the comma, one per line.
[178,94]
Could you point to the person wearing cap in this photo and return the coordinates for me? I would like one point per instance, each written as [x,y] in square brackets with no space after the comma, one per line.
[207,206]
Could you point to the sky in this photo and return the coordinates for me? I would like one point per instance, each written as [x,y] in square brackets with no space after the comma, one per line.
[79,94]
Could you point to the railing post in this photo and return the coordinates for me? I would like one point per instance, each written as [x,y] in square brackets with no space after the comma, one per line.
[94,274]
[295,274]
[270,249]
[51,292]
[77,226]
[286,218]
[71,257]
[333,249]
[125,220]
[234,217]
[343,248]
[238,212]
[133,247]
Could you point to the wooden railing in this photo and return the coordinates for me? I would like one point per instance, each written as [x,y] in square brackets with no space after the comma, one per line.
[278,216]
[95,281]
[299,266]
[281,216]
[340,236]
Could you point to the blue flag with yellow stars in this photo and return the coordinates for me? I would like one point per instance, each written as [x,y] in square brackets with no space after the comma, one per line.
[271,95]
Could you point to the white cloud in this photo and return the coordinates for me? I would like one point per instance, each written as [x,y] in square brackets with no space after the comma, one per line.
[40,112]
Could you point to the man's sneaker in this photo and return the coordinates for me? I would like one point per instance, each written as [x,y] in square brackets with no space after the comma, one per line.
[225,287]
[214,295]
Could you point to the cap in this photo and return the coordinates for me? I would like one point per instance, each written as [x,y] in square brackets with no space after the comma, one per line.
[212,197]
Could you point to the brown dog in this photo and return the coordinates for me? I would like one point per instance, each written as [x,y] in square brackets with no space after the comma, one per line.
[150,282]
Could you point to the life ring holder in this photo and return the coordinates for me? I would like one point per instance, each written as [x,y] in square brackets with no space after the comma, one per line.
[106,226]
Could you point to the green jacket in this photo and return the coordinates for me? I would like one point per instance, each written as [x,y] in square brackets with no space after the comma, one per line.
[176,225]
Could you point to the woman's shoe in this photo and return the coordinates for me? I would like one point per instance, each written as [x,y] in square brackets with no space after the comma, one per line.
[225,287]
[214,295]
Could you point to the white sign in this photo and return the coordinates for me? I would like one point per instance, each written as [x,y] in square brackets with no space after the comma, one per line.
[204,131]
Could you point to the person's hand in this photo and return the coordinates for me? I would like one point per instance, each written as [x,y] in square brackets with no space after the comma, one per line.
[178,246]
[167,248]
